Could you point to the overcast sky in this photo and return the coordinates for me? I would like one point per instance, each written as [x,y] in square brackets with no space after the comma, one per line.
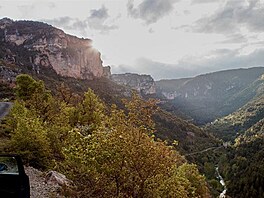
[164,38]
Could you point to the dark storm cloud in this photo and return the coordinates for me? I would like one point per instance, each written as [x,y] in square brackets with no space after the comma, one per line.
[222,59]
[232,16]
[150,10]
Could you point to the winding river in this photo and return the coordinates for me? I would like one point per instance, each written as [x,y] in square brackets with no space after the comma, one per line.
[222,182]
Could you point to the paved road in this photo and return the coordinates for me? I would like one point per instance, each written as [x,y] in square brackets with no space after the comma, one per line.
[4,108]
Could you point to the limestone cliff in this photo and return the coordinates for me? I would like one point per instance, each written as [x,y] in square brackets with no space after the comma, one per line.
[209,96]
[144,84]
[37,44]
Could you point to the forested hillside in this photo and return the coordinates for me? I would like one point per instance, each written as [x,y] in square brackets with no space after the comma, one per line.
[207,97]
[169,127]
[237,123]
[106,151]
[243,164]
[44,115]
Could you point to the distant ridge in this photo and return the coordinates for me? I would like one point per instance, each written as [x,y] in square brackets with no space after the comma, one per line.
[209,96]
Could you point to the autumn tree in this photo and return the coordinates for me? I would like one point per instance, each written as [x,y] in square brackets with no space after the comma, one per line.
[108,152]
[121,158]
[66,95]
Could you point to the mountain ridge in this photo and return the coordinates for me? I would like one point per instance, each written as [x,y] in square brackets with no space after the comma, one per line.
[209,96]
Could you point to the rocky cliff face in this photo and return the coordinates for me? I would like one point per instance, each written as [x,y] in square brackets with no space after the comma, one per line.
[213,95]
[217,85]
[37,44]
[8,73]
[144,84]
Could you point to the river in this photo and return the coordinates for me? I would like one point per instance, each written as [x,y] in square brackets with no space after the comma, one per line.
[222,182]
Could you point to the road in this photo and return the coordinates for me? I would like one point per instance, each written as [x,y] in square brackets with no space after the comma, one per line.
[4,108]
[222,182]
[205,150]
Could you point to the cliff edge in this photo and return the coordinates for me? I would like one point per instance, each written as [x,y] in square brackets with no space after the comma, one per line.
[37,44]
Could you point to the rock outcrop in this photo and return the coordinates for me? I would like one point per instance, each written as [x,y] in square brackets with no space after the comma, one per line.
[144,84]
[8,75]
[57,179]
[37,45]
[39,187]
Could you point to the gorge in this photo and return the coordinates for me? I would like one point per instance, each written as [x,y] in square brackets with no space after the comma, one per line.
[194,114]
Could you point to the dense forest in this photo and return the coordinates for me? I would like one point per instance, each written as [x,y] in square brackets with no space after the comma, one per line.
[106,151]
[242,165]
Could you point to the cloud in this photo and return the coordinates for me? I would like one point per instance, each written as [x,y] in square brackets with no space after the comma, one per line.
[151,30]
[235,38]
[157,70]
[221,59]
[97,20]
[51,5]
[67,23]
[150,10]
[79,25]
[26,9]
[62,21]
[232,16]
[99,14]
[204,1]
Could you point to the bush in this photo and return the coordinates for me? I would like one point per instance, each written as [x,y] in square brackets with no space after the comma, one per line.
[29,138]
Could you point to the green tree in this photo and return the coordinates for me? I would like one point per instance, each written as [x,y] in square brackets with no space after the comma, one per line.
[35,96]
[41,108]
[89,113]
[29,137]
[26,87]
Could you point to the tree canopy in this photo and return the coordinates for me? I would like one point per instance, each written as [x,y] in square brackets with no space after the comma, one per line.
[106,151]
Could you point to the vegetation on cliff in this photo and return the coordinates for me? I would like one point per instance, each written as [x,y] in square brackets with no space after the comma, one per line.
[237,123]
[243,165]
[207,97]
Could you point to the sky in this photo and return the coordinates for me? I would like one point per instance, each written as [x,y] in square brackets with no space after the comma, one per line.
[164,38]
